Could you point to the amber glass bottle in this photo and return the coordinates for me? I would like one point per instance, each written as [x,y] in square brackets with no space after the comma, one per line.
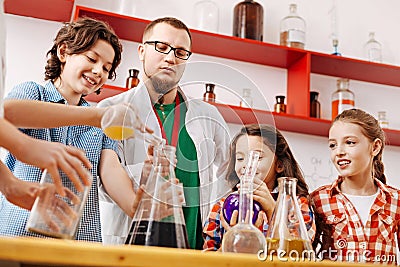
[315,106]
[132,80]
[280,106]
[209,95]
[248,17]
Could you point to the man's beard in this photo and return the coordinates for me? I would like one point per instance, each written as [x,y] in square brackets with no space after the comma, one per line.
[162,86]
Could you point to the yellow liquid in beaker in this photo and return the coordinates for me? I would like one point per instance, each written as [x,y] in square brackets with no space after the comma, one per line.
[119,132]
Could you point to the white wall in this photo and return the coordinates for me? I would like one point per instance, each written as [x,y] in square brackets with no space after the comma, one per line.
[29,39]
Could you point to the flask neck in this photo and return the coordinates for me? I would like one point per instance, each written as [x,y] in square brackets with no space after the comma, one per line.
[246,189]
[287,186]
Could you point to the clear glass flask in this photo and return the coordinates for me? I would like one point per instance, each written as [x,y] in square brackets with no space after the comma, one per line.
[207,16]
[247,100]
[244,237]
[342,98]
[373,49]
[287,235]
[159,219]
[293,29]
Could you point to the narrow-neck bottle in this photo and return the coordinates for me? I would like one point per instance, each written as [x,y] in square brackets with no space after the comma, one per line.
[244,237]
[209,95]
[132,80]
[315,106]
[247,99]
[287,233]
[280,106]
[248,20]
[293,29]
[342,98]
[373,49]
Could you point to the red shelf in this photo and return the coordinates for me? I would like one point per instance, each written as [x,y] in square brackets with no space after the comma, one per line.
[56,10]
[287,122]
[106,91]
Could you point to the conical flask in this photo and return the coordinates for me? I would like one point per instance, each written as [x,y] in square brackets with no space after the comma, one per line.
[159,219]
[244,237]
[287,235]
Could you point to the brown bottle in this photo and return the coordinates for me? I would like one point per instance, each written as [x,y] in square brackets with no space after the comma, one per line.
[248,19]
[315,106]
[280,106]
[209,95]
[133,80]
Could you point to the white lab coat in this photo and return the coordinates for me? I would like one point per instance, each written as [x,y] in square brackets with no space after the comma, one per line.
[210,134]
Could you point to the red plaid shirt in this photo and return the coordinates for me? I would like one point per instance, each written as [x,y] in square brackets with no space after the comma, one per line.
[353,241]
[213,230]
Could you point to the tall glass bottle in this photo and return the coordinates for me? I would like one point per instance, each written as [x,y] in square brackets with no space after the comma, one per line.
[244,237]
[373,49]
[246,100]
[342,98]
[248,20]
[159,219]
[293,29]
[315,106]
[287,233]
[207,15]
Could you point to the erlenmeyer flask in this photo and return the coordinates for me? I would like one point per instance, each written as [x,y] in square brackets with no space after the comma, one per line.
[159,219]
[244,237]
[287,235]
[122,122]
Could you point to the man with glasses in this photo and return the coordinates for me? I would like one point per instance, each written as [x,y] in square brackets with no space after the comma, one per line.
[194,127]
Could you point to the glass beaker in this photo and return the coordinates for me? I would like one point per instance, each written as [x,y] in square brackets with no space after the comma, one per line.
[122,122]
[244,237]
[159,219]
[54,215]
[287,235]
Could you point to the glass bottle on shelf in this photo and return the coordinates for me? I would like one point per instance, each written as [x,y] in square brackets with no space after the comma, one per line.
[287,233]
[246,101]
[342,98]
[373,49]
[159,219]
[127,7]
[244,237]
[335,43]
[207,16]
[209,95]
[248,20]
[315,106]
[293,29]
[132,80]
[383,122]
[280,106]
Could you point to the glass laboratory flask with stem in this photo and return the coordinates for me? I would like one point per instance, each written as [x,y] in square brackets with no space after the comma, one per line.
[287,235]
[159,219]
[121,122]
[244,237]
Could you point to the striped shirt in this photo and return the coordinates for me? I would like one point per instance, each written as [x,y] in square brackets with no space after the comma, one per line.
[90,139]
[213,230]
[352,240]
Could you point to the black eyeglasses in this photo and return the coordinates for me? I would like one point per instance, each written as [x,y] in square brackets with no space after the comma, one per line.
[166,48]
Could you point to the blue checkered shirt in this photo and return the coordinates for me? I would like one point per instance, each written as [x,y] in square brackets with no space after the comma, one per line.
[90,139]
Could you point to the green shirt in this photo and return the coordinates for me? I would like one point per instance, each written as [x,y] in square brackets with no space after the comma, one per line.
[186,170]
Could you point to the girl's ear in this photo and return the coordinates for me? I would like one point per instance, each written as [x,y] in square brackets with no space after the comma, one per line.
[279,166]
[376,146]
[62,52]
